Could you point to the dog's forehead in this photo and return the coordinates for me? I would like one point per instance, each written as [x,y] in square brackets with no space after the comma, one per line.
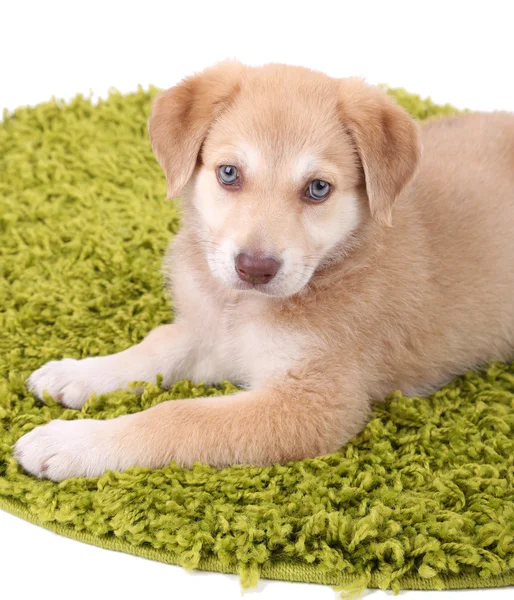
[294,113]
[276,130]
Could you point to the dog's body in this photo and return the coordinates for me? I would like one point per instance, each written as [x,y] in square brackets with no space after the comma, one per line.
[356,308]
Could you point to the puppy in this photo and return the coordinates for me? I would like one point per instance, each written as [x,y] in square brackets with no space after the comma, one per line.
[323,262]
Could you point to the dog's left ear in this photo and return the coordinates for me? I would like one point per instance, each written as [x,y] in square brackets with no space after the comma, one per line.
[387,140]
[181,117]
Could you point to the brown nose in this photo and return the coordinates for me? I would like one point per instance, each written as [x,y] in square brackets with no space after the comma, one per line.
[256,269]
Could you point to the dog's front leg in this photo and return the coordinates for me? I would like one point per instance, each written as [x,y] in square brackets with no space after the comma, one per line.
[259,427]
[169,350]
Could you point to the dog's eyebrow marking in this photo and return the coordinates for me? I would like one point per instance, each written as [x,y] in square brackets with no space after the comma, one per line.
[252,156]
[245,154]
[304,165]
[310,165]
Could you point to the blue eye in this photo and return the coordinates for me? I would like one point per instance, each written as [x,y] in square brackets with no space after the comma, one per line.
[318,190]
[228,174]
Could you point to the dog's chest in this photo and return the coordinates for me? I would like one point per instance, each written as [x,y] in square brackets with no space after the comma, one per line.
[242,344]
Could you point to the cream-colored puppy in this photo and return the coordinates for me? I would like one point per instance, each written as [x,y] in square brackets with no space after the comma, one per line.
[321,264]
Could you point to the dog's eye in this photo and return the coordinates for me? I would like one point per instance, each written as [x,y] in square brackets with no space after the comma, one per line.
[228,174]
[318,190]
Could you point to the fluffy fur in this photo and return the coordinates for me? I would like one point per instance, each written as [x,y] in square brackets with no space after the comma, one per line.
[401,279]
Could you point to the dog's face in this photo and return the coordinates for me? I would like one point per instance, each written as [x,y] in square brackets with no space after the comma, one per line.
[275,189]
[273,158]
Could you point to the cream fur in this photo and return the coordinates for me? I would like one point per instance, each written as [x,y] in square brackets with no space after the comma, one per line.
[358,308]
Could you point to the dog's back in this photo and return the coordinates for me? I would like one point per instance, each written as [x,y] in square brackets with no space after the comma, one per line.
[465,195]
[453,238]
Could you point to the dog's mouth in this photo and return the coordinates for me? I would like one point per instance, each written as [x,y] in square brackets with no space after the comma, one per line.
[267,288]
[278,287]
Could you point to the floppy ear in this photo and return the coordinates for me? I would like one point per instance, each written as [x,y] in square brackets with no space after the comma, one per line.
[181,117]
[387,140]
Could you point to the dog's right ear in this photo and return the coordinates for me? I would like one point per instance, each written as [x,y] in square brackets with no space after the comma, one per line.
[181,117]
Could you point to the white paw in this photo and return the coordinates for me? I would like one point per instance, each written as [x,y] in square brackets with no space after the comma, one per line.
[63,449]
[68,381]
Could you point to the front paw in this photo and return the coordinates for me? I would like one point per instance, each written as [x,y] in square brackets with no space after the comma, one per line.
[68,381]
[63,449]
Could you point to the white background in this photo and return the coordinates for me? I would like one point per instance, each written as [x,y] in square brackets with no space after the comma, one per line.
[457,52]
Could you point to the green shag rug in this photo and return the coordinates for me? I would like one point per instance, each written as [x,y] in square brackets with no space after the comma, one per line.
[423,498]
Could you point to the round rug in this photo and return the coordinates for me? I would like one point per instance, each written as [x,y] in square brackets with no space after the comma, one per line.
[423,498]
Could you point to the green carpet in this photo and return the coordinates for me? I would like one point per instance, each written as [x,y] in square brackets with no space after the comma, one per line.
[423,498]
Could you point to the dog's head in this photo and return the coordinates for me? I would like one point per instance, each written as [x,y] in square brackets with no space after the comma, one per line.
[273,160]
